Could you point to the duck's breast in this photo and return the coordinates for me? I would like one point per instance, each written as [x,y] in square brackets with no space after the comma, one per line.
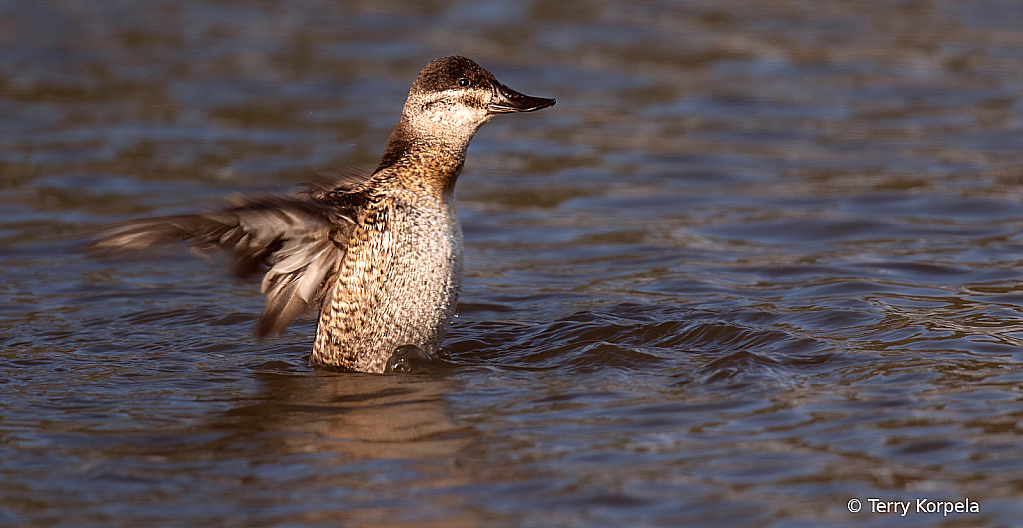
[398,284]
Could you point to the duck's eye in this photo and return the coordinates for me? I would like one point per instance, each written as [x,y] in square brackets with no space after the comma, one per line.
[463,82]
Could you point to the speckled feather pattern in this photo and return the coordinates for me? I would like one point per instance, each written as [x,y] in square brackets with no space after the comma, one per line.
[398,284]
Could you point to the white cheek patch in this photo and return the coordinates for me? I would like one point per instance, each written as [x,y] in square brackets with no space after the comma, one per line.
[445,114]
[454,116]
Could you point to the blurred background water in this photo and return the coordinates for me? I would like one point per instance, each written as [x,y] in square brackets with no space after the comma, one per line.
[761,259]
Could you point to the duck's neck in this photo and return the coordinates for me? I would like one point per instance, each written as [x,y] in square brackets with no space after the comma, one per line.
[439,159]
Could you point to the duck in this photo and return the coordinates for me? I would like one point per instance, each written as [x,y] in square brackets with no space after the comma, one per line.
[379,253]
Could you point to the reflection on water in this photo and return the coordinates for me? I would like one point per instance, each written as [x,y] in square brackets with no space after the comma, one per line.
[761,259]
[359,416]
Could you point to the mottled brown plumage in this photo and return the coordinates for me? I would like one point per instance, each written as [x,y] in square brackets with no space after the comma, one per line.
[379,253]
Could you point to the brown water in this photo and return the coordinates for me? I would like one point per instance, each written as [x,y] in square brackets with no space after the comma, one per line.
[761,259]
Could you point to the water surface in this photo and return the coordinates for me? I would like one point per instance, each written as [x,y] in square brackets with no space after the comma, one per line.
[761,259]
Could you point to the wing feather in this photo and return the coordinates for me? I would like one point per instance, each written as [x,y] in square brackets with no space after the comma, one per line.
[300,240]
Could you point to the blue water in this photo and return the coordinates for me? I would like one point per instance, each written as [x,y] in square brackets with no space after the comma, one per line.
[760,260]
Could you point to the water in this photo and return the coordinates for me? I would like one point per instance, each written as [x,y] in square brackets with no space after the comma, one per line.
[761,259]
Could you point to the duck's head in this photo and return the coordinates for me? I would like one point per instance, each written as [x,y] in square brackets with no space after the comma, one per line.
[453,96]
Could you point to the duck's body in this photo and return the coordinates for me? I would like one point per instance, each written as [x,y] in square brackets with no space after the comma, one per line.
[400,278]
[379,253]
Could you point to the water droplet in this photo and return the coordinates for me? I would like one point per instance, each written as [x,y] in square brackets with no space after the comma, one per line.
[405,357]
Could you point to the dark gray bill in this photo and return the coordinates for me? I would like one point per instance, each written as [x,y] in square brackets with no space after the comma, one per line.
[507,100]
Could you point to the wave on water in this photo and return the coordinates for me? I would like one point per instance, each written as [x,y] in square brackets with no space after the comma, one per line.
[694,346]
